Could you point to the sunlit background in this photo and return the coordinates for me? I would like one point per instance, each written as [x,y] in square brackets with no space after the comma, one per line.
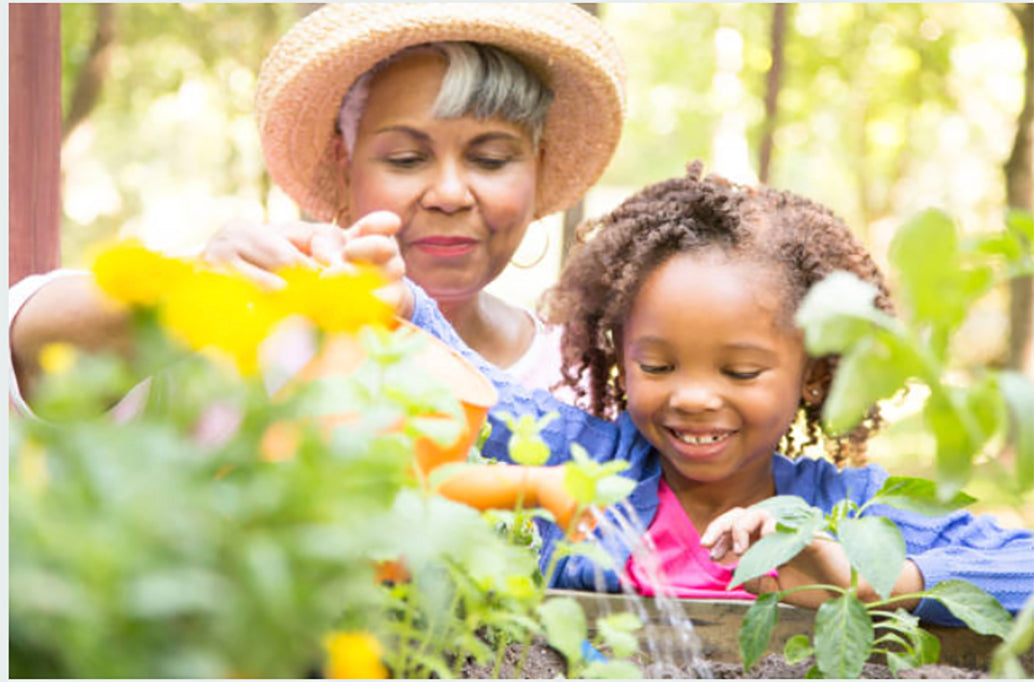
[883,110]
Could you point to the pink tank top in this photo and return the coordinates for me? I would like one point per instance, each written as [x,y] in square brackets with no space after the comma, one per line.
[685,564]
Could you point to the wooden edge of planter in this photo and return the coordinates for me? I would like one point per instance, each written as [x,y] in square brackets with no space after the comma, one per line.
[717,624]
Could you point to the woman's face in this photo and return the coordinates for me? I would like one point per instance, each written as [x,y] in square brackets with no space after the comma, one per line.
[464,188]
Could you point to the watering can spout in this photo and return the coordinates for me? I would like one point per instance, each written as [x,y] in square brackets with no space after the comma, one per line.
[506,487]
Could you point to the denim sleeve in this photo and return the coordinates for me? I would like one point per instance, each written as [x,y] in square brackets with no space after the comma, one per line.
[603,440]
[957,546]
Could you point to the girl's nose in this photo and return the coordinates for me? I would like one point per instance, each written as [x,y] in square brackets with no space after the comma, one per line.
[695,396]
[448,189]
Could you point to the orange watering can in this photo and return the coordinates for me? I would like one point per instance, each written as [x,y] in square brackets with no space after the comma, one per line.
[479,486]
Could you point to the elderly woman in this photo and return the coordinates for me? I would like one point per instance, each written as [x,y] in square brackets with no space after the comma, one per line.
[450,127]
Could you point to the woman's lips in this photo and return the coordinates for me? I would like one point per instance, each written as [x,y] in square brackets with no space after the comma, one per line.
[445,247]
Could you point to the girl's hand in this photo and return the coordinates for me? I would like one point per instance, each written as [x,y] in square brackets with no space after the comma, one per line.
[822,562]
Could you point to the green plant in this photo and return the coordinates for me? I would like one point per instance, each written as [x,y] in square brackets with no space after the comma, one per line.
[224,533]
[972,413]
[847,630]
[969,410]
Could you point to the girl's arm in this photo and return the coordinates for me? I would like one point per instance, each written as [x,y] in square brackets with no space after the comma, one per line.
[967,547]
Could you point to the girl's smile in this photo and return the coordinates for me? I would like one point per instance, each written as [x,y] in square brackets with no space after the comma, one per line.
[713,368]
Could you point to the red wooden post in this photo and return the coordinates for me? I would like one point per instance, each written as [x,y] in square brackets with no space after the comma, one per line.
[34,139]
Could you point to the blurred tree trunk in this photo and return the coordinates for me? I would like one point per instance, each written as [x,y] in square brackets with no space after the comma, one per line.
[91,76]
[772,83]
[1019,180]
[574,215]
[34,139]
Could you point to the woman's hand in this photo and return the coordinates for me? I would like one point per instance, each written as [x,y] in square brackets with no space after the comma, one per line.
[258,250]
[371,240]
[822,562]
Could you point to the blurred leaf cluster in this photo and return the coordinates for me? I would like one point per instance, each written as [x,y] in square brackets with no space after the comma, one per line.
[971,410]
[224,532]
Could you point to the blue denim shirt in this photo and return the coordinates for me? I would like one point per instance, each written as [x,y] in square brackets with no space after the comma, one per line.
[958,545]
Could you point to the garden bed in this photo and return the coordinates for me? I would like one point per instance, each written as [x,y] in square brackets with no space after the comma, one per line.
[964,654]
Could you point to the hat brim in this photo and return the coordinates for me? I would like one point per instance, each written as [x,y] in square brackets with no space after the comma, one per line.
[307,73]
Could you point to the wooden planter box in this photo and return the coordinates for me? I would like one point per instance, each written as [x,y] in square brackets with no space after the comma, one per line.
[717,624]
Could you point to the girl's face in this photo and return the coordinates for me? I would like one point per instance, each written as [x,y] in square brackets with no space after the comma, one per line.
[464,188]
[713,371]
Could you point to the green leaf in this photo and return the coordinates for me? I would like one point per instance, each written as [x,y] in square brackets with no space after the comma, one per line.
[757,627]
[528,451]
[973,606]
[441,431]
[797,649]
[566,628]
[618,632]
[777,548]
[813,673]
[839,311]
[579,484]
[872,370]
[611,670]
[876,548]
[925,254]
[955,447]
[843,637]
[1020,223]
[918,495]
[613,489]
[1019,396]
[898,662]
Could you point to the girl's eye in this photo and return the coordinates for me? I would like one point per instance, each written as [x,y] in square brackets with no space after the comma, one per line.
[404,160]
[654,369]
[743,375]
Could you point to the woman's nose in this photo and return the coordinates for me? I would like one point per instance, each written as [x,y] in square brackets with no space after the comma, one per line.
[448,189]
[695,396]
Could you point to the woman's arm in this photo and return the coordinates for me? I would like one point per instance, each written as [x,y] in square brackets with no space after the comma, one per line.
[65,307]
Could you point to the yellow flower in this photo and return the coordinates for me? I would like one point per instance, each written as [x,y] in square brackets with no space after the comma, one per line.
[133,274]
[353,656]
[335,301]
[226,312]
[57,357]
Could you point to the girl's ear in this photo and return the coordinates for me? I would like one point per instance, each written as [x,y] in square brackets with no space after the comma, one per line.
[614,338]
[818,376]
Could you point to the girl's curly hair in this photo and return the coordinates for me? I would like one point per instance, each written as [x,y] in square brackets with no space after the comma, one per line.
[616,253]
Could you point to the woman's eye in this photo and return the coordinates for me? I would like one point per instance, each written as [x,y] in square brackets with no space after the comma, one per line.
[743,374]
[654,369]
[490,162]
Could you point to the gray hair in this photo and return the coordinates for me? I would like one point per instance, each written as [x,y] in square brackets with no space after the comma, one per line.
[480,80]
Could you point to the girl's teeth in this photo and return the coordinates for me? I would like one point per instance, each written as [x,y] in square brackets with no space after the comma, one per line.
[701,440]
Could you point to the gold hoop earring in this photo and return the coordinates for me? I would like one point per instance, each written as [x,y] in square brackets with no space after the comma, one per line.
[535,262]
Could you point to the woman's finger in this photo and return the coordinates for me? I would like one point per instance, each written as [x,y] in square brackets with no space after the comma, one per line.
[384,223]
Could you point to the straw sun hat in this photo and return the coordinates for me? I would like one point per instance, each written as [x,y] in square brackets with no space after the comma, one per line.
[306,75]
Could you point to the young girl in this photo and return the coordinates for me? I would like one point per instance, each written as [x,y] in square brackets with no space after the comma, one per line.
[679,318]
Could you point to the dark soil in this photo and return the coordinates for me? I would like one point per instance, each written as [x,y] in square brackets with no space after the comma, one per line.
[544,663]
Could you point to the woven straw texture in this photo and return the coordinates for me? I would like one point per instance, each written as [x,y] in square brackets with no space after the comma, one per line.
[306,75]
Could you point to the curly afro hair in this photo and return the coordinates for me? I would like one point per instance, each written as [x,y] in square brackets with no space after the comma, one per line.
[615,253]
